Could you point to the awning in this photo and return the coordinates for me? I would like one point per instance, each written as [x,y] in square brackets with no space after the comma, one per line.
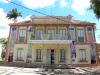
[51,41]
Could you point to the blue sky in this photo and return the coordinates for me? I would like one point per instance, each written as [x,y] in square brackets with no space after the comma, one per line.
[77,8]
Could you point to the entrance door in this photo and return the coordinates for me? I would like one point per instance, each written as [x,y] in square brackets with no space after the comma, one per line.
[50,56]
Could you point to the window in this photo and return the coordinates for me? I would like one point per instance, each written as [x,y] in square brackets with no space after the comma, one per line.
[51,33]
[62,34]
[71,33]
[38,34]
[20,54]
[62,55]
[38,54]
[80,35]
[82,55]
[22,35]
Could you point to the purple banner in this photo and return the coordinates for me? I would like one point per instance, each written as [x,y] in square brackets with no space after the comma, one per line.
[73,47]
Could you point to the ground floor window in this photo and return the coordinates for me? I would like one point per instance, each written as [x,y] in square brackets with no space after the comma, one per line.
[82,55]
[38,54]
[62,54]
[20,54]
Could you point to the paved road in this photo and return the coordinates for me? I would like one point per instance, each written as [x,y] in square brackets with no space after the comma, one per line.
[5,70]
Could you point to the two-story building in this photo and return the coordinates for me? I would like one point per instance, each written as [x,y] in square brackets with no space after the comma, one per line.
[51,40]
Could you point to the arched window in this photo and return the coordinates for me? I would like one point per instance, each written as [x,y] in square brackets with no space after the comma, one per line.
[71,32]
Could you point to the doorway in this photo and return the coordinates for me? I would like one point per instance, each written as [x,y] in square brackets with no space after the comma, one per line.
[50,56]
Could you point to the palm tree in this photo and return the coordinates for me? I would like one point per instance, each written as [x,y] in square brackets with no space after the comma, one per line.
[13,14]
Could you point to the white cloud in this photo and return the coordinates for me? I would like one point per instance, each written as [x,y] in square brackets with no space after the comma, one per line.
[4,1]
[4,33]
[37,3]
[63,3]
[80,6]
[4,22]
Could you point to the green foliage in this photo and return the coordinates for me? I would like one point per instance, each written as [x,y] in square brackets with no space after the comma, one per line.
[3,42]
[13,14]
[3,55]
[95,6]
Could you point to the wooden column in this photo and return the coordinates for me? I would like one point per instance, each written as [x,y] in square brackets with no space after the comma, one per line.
[75,33]
[97,53]
[94,34]
[26,34]
[44,29]
[17,34]
[56,29]
[34,32]
[67,31]
[85,34]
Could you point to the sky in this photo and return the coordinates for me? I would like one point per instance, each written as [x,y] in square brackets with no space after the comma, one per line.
[77,8]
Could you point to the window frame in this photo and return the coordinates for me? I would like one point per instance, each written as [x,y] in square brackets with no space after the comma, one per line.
[71,33]
[38,34]
[38,57]
[22,33]
[21,56]
[82,59]
[62,56]
[63,34]
[80,35]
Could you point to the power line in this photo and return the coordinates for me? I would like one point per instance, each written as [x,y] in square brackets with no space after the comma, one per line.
[40,12]
[37,11]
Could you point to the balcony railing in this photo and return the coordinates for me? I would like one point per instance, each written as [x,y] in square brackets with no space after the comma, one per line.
[51,37]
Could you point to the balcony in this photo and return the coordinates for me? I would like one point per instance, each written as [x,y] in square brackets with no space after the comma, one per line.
[51,37]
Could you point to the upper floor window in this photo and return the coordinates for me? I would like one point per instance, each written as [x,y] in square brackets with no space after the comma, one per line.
[38,34]
[62,34]
[51,33]
[72,33]
[80,34]
[22,35]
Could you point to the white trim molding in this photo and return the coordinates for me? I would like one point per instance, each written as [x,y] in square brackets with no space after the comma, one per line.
[51,41]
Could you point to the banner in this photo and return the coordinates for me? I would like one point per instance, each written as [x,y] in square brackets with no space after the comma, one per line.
[12,37]
[73,47]
[90,36]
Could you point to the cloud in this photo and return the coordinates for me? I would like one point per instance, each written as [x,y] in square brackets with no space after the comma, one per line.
[3,20]
[4,27]
[80,6]
[63,3]
[37,3]
[4,33]
[4,1]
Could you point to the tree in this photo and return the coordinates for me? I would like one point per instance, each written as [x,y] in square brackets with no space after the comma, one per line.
[95,6]
[3,46]
[13,14]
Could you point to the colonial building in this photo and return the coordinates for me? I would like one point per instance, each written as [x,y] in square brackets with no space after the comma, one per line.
[51,40]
